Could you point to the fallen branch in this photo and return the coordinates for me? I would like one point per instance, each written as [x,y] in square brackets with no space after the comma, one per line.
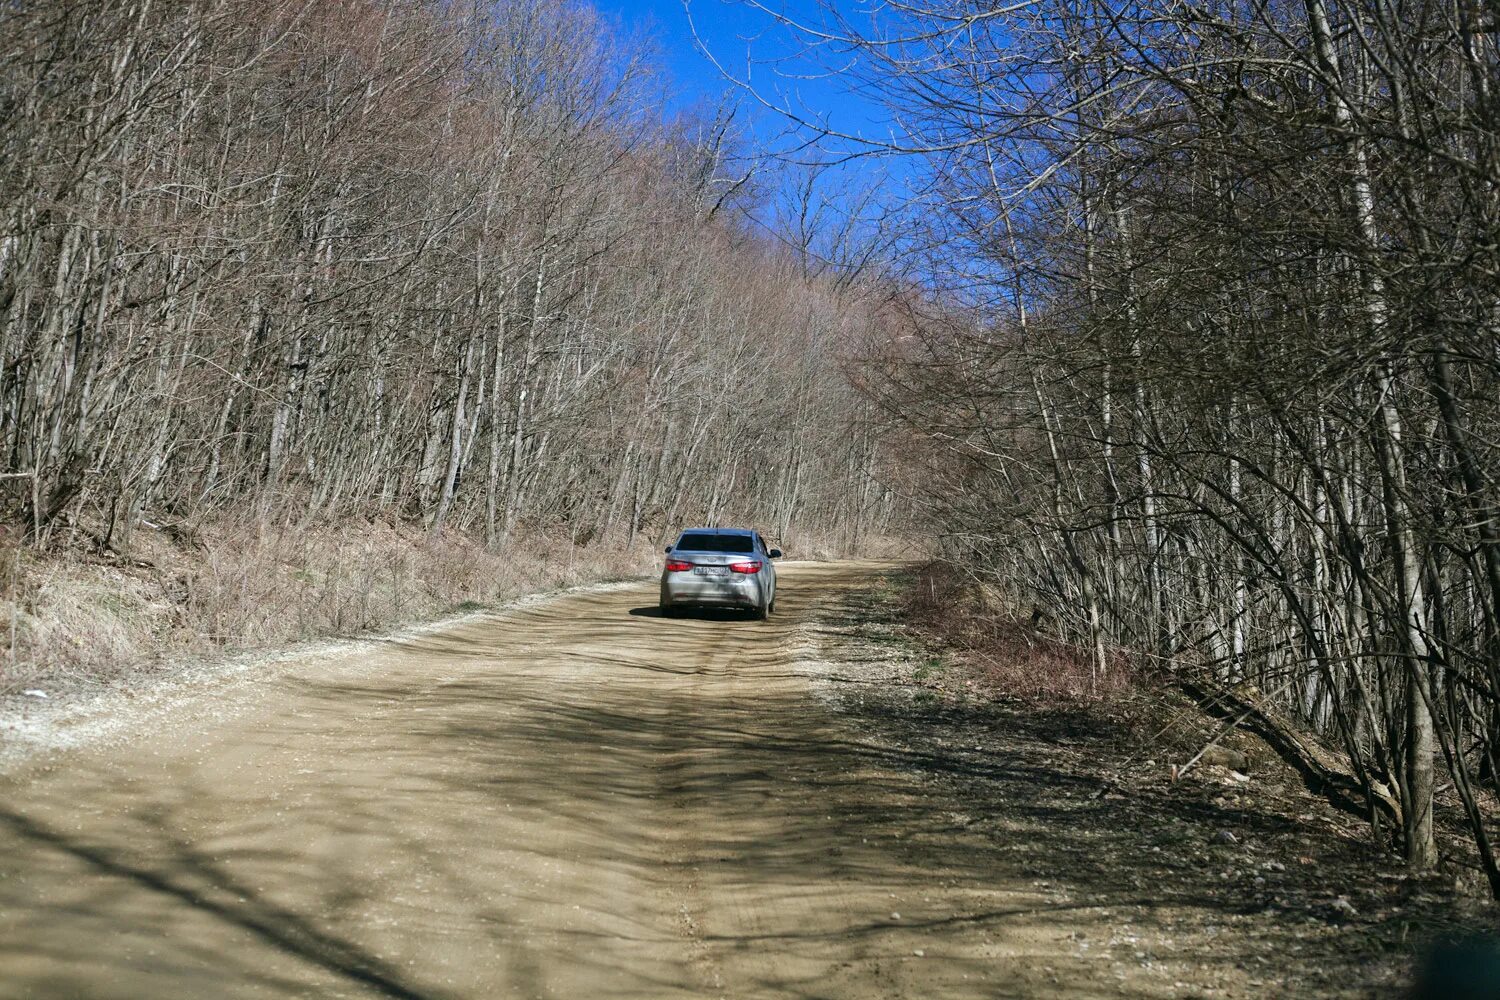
[1235,723]
[1320,768]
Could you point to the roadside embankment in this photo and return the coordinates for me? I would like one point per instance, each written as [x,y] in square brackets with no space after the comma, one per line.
[76,619]
[1232,875]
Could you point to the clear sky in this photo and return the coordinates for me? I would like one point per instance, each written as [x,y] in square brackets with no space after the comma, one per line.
[754,49]
[858,200]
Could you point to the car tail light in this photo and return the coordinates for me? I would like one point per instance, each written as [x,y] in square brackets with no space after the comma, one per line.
[678,566]
[746,567]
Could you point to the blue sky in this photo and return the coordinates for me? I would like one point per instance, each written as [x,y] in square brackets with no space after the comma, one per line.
[752,47]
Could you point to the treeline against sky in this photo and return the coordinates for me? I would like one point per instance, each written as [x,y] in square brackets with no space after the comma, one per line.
[441,262]
[1212,374]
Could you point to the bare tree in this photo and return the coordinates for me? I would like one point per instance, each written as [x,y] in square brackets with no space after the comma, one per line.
[402,259]
[1206,351]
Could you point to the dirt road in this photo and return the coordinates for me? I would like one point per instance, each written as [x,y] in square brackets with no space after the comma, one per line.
[575,799]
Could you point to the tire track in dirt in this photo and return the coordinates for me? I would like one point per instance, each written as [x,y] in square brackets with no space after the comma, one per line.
[682,845]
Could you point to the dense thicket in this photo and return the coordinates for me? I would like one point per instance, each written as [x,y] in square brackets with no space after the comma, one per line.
[417,259]
[1214,364]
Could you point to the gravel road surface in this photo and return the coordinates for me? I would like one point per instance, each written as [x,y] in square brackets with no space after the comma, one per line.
[576,798]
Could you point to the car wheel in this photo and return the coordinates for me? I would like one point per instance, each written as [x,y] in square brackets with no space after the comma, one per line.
[763,612]
[667,611]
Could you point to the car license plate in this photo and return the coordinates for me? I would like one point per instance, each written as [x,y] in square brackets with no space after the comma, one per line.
[710,571]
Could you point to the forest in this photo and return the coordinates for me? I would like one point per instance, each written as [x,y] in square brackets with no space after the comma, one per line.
[1208,369]
[1189,345]
[438,262]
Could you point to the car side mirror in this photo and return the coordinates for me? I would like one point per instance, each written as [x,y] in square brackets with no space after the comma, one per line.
[667,549]
[774,553]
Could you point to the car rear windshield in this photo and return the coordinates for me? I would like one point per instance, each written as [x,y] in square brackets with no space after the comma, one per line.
[703,541]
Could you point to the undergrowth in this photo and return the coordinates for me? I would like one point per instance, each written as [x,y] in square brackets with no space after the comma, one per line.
[78,615]
[997,650]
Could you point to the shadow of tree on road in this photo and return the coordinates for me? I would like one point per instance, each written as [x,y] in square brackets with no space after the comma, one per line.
[185,875]
[450,821]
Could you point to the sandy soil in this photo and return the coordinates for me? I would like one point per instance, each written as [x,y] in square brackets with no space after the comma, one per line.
[576,798]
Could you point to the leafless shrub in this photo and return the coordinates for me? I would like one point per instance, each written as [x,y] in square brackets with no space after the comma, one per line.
[1003,653]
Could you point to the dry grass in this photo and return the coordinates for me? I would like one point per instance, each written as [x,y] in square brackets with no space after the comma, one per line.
[822,547]
[65,621]
[284,586]
[71,619]
[999,651]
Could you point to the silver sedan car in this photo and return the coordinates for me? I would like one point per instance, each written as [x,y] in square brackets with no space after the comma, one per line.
[719,567]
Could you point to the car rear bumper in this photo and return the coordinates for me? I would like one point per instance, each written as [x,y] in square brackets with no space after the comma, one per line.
[684,589]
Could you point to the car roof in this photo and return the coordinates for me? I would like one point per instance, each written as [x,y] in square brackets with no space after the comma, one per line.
[719,531]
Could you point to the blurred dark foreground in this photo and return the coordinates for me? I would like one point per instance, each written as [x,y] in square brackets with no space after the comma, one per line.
[1460,970]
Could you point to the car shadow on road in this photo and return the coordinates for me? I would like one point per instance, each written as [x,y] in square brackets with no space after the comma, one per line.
[701,614]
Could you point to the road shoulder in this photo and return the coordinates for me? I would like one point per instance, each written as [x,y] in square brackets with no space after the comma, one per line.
[116,711]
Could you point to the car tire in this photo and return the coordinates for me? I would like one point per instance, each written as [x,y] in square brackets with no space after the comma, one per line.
[667,611]
[763,611]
